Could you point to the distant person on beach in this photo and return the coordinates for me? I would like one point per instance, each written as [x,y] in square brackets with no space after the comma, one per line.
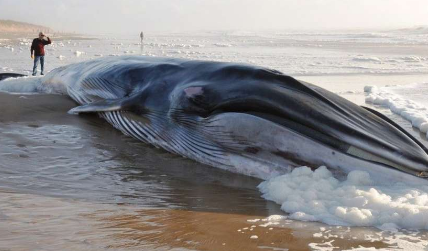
[142,44]
[38,52]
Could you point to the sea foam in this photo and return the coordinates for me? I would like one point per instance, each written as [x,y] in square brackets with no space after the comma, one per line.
[318,196]
[415,113]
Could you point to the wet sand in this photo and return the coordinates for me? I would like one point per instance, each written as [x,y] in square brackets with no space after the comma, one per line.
[75,183]
[47,223]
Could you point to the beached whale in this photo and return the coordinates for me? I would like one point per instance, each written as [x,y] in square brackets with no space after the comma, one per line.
[242,118]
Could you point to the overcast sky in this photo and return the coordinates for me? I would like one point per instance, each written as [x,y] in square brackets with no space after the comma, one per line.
[130,16]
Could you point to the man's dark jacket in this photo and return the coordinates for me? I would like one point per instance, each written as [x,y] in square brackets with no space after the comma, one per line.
[38,46]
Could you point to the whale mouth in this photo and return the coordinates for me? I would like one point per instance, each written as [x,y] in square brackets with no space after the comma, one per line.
[359,153]
[274,115]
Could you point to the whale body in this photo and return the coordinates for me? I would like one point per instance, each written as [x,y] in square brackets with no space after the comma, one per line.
[242,118]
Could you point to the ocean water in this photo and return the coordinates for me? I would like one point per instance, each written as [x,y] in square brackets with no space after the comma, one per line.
[74,182]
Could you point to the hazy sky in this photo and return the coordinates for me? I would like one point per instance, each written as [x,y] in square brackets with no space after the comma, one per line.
[128,16]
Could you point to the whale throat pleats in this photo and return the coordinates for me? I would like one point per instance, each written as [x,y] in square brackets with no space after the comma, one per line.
[150,128]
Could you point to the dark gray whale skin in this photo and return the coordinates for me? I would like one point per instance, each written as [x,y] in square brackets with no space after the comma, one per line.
[231,115]
[6,75]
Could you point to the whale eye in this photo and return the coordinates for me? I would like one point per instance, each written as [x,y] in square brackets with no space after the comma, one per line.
[196,95]
[195,100]
[192,92]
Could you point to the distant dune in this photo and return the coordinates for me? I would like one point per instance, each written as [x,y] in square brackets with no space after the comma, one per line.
[10,26]
[414,30]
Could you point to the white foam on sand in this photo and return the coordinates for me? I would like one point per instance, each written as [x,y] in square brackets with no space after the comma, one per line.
[79,53]
[326,238]
[413,112]
[396,241]
[222,45]
[367,59]
[318,196]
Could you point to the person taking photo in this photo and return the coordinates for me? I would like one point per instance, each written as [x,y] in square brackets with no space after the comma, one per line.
[38,52]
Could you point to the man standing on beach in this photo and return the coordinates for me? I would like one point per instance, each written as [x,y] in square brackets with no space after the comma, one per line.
[38,52]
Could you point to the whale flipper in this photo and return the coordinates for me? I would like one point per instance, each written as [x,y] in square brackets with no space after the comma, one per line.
[108,105]
[104,95]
